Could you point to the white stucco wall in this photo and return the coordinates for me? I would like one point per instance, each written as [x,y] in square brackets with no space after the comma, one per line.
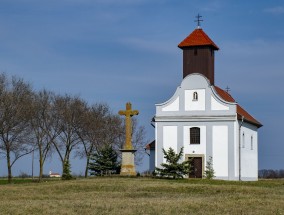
[220,151]
[174,106]
[215,105]
[190,104]
[169,138]
[249,155]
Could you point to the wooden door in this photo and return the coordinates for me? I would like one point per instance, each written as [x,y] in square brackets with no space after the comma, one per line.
[196,167]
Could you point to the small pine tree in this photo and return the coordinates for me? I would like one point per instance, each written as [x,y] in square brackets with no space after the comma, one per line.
[209,172]
[172,168]
[104,161]
[66,175]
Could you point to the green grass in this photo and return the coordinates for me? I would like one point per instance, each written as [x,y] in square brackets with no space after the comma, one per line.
[142,196]
[15,181]
[4,181]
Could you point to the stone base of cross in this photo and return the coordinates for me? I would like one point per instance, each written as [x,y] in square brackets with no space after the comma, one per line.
[127,162]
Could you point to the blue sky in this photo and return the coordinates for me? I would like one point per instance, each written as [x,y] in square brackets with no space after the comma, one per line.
[116,51]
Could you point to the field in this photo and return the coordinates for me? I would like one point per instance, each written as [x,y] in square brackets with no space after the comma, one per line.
[142,196]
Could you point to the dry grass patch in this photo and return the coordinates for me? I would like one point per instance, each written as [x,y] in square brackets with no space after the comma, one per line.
[143,196]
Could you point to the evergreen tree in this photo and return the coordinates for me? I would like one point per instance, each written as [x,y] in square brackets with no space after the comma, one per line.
[66,175]
[104,161]
[173,168]
[209,172]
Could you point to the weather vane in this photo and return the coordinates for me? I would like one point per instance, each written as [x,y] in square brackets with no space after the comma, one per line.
[198,20]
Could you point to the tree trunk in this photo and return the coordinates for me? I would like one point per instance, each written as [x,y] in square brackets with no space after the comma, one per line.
[9,168]
[63,162]
[40,166]
[66,159]
[87,167]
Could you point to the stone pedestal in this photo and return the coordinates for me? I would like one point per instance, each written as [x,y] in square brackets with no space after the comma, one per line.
[127,162]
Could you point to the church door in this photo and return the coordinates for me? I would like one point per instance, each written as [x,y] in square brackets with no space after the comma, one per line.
[196,167]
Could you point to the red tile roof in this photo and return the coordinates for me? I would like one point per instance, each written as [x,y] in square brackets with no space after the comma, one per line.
[240,111]
[247,117]
[224,95]
[197,38]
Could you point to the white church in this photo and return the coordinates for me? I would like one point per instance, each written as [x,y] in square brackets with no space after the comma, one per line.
[205,120]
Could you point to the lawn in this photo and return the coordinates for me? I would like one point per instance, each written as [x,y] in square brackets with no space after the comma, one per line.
[142,196]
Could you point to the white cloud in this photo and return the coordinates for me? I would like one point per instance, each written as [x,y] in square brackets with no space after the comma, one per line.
[150,45]
[106,1]
[257,47]
[275,10]
[256,64]
[212,6]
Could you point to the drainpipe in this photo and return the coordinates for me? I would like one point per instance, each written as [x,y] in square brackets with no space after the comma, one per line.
[240,148]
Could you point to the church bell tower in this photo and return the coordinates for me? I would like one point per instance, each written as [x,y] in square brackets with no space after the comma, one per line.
[198,53]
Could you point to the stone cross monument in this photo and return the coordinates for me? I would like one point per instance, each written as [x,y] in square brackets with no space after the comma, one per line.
[127,162]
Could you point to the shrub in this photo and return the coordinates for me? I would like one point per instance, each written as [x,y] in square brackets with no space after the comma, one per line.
[66,175]
[173,168]
[209,171]
[104,162]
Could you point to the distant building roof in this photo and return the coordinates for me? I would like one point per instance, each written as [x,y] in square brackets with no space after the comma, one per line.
[197,38]
[150,145]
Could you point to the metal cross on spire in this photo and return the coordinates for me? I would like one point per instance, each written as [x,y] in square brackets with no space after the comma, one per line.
[198,20]
[228,89]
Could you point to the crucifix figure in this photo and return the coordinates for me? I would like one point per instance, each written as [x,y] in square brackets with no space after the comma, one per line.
[127,153]
[198,20]
[128,113]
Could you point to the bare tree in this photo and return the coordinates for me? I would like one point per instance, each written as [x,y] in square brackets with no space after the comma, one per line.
[42,121]
[44,125]
[15,104]
[69,112]
[99,128]
[138,140]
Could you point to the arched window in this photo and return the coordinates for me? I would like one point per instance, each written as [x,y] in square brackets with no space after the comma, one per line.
[195,96]
[194,135]
[251,142]
[244,140]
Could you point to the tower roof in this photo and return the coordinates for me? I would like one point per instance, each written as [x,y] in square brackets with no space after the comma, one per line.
[197,38]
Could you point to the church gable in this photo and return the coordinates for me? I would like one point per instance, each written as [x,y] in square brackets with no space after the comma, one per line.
[196,97]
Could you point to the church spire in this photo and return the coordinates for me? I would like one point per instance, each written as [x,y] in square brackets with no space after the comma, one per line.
[198,53]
